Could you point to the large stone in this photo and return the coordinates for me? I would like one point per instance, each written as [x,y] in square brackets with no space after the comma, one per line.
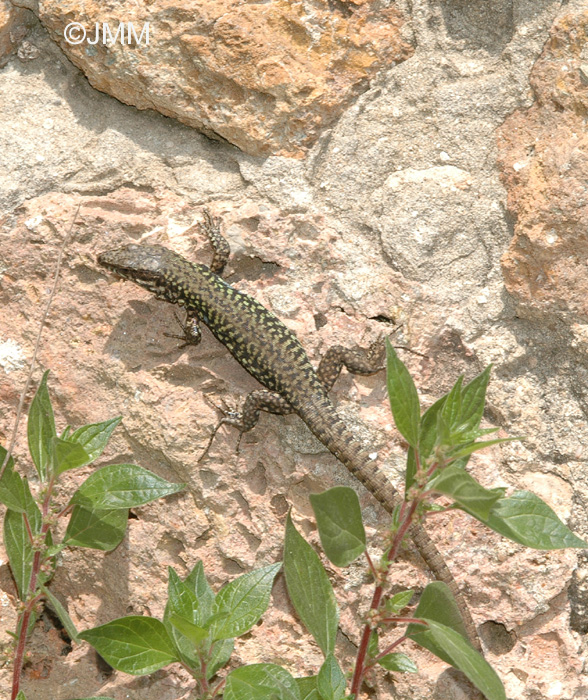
[13,28]
[544,159]
[268,77]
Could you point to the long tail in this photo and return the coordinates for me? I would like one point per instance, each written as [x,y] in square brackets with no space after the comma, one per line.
[323,420]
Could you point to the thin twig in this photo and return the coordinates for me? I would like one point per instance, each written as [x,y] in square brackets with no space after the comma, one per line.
[38,341]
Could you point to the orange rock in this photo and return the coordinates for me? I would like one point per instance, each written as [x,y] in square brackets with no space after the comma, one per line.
[12,28]
[544,160]
[268,77]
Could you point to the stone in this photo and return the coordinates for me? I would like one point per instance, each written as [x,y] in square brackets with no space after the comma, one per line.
[544,160]
[13,28]
[267,77]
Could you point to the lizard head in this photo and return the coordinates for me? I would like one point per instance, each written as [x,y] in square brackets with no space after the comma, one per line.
[146,265]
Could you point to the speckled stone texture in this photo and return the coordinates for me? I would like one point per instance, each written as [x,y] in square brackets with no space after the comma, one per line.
[400,213]
[268,77]
[544,159]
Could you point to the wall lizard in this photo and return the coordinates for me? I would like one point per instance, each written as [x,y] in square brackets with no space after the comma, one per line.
[272,353]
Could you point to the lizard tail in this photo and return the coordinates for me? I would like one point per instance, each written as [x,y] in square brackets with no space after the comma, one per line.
[323,420]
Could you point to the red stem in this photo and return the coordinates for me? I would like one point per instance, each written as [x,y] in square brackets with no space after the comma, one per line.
[360,662]
[389,648]
[371,565]
[204,682]
[33,599]
[407,620]
[28,527]
[363,645]
[216,690]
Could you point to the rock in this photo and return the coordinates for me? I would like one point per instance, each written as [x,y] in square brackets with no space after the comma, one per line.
[399,214]
[13,28]
[268,77]
[544,160]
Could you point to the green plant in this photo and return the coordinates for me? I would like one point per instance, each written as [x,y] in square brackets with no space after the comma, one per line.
[98,510]
[198,628]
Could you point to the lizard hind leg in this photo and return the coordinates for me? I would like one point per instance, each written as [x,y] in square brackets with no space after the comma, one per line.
[356,360]
[220,246]
[247,418]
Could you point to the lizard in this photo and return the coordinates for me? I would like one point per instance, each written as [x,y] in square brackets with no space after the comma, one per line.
[274,356]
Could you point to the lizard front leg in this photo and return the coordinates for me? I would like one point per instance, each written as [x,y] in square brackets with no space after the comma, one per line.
[247,418]
[191,330]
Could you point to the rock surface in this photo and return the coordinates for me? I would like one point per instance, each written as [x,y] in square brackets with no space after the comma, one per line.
[268,77]
[13,28]
[544,157]
[398,214]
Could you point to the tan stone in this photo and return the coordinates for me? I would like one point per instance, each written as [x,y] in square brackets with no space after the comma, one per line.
[544,160]
[268,77]
[12,28]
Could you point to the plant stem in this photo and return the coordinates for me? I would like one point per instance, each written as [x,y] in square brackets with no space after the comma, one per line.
[23,625]
[371,565]
[407,512]
[363,645]
[392,646]
[32,598]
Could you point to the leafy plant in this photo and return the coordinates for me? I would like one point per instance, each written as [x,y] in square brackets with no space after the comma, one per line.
[197,631]
[199,627]
[97,511]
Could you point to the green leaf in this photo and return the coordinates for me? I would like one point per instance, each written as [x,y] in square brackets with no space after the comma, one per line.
[191,599]
[451,410]
[411,469]
[3,452]
[183,644]
[309,589]
[404,400]
[526,519]
[41,429]
[261,682]
[399,601]
[443,431]
[122,486]
[13,489]
[427,440]
[462,656]
[476,446]
[307,688]
[242,602]
[465,490]
[398,662]
[135,644]
[196,581]
[338,518]
[373,644]
[197,635]
[17,541]
[437,603]
[184,601]
[331,680]
[220,654]
[62,614]
[100,529]
[21,696]
[67,455]
[473,399]
[95,436]
[428,435]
